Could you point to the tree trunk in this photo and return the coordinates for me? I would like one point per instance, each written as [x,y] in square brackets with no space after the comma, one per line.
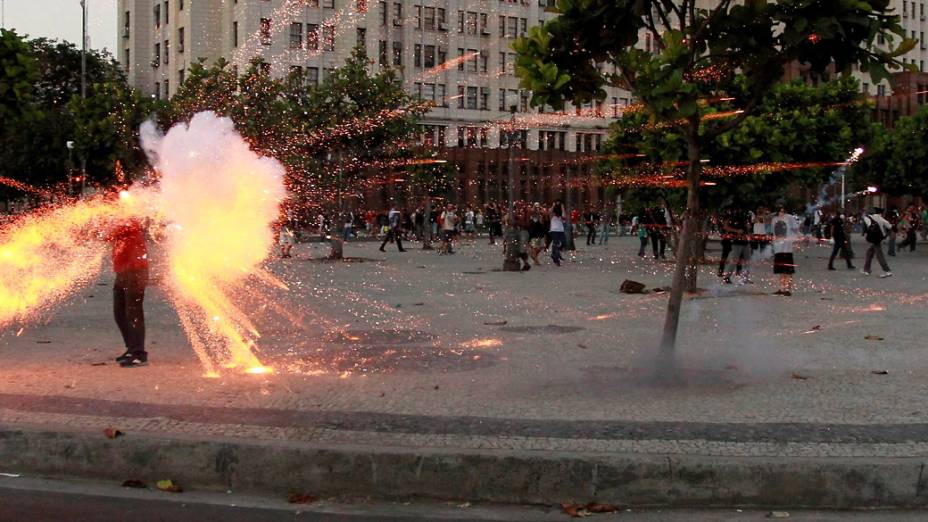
[684,271]
[427,225]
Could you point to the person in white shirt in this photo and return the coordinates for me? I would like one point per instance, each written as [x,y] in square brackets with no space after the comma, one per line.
[785,232]
[556,230]
[449,221]
[876,229]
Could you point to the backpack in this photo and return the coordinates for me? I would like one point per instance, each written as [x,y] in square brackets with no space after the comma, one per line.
[874,232]
[779,228]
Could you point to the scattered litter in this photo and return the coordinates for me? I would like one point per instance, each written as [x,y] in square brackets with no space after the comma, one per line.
[880,372]
[134,483]
[418,304]
[827,298]
[778,514]
[464,505]
[10,475]
[661,290]
[799,377]
[816,328]
[98,364]
[585,510]
[301,498]
[495,323]
[873,338]
[169,486]
[112,433]
[631,287]
[43,342]
[581,345]
[436,386]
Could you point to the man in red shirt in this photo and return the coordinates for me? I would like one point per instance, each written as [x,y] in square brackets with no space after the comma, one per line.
[130,263]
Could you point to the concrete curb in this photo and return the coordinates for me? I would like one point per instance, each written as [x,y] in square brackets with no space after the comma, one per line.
[280,468]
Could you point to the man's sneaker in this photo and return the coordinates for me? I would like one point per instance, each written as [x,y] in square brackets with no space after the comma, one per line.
[886,274]
[864,272]
[135,360]
[124,357]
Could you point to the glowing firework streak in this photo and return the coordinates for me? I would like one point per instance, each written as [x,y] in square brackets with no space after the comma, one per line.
[22,186]
[452,63]
[47,256]
[219,199]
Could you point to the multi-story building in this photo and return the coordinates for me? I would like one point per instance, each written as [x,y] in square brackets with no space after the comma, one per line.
[454,53]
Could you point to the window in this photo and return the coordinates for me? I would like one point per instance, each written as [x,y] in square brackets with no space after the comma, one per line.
[157,59]
[397,13]
[157,15]
[502,26]
[180,5]
[128,60]
[296,35]
[502,99]
[362,39]
[312,75]
[429,59]
[523,27]
[167,53]
[512,26]
[460,59]
[328,4]
[296,71]
[180,39]
[328,37]
[471,22]
[419,17]
[265,68]
[417,55]
[865,88]
[265,31]
[484,98]
[158,90]
[397,53]
[328,71]
[905,9]
[382,6]
[442,21]
[440,94]
[234,34]
[428,91]
[472,61]
[167,90]
[429,18]
[312,37]
[181,74]
[484,58]
[460,96]
[472,98]
[921,39]
[460,21]
[382,52]
[126,25]
[484,24]
[167,19]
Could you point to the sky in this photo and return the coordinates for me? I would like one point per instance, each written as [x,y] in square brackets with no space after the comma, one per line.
[61,19]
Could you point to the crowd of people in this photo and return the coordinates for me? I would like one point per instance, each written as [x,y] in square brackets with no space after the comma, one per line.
[748,237]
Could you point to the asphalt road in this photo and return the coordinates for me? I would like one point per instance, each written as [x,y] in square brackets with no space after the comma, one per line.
[37,500]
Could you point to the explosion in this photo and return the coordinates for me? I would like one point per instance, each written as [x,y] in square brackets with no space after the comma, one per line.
[216,200]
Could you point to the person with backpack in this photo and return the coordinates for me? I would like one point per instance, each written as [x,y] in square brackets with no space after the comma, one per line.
[785,231]
[836,230]
[876,229]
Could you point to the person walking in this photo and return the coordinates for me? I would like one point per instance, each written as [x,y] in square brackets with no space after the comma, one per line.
[589,221]
[642,232]
[556,230]
[130,264]
[494,222]
[739,228]
[876,229]
[836,229]
[785,231]
[536,233]
[395,232]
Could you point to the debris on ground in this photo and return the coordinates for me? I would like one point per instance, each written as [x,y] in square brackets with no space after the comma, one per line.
[880,372]
[301,498]
[778,514]
[169,486]
[98,364]
[873,338]
[133,483]
[631,287]
[112,433]
[799,376]
[585,510]
[495,323]
[581,345]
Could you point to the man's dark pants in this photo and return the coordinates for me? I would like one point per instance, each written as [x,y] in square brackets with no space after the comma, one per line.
[128,297]
[840,246]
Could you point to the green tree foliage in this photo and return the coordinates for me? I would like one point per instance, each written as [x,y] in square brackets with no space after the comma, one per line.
[697,52]
[897,160]
[17,77]
[794,124]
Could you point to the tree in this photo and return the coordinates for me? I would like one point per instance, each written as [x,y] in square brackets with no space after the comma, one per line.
[696,55]
[897,162]
[18,76]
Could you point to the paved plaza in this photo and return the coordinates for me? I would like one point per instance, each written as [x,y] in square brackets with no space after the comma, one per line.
[421,350]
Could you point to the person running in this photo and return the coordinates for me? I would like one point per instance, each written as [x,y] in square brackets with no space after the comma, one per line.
[836,229]
[395,232]
[876,229]
[785,230]
[556,230]
[130,263]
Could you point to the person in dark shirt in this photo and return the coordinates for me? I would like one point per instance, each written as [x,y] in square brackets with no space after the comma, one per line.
[836,228]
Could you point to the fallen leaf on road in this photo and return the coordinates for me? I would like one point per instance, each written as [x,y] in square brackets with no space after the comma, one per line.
[799,377]
[880,372]
[495,323]
[112,433]
[602,508]
[873,338]
[133,483]
[575,510]
[301,498]
[169,486]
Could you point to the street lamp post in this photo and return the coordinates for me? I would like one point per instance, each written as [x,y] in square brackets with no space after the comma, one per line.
[511,261]
[83,81]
